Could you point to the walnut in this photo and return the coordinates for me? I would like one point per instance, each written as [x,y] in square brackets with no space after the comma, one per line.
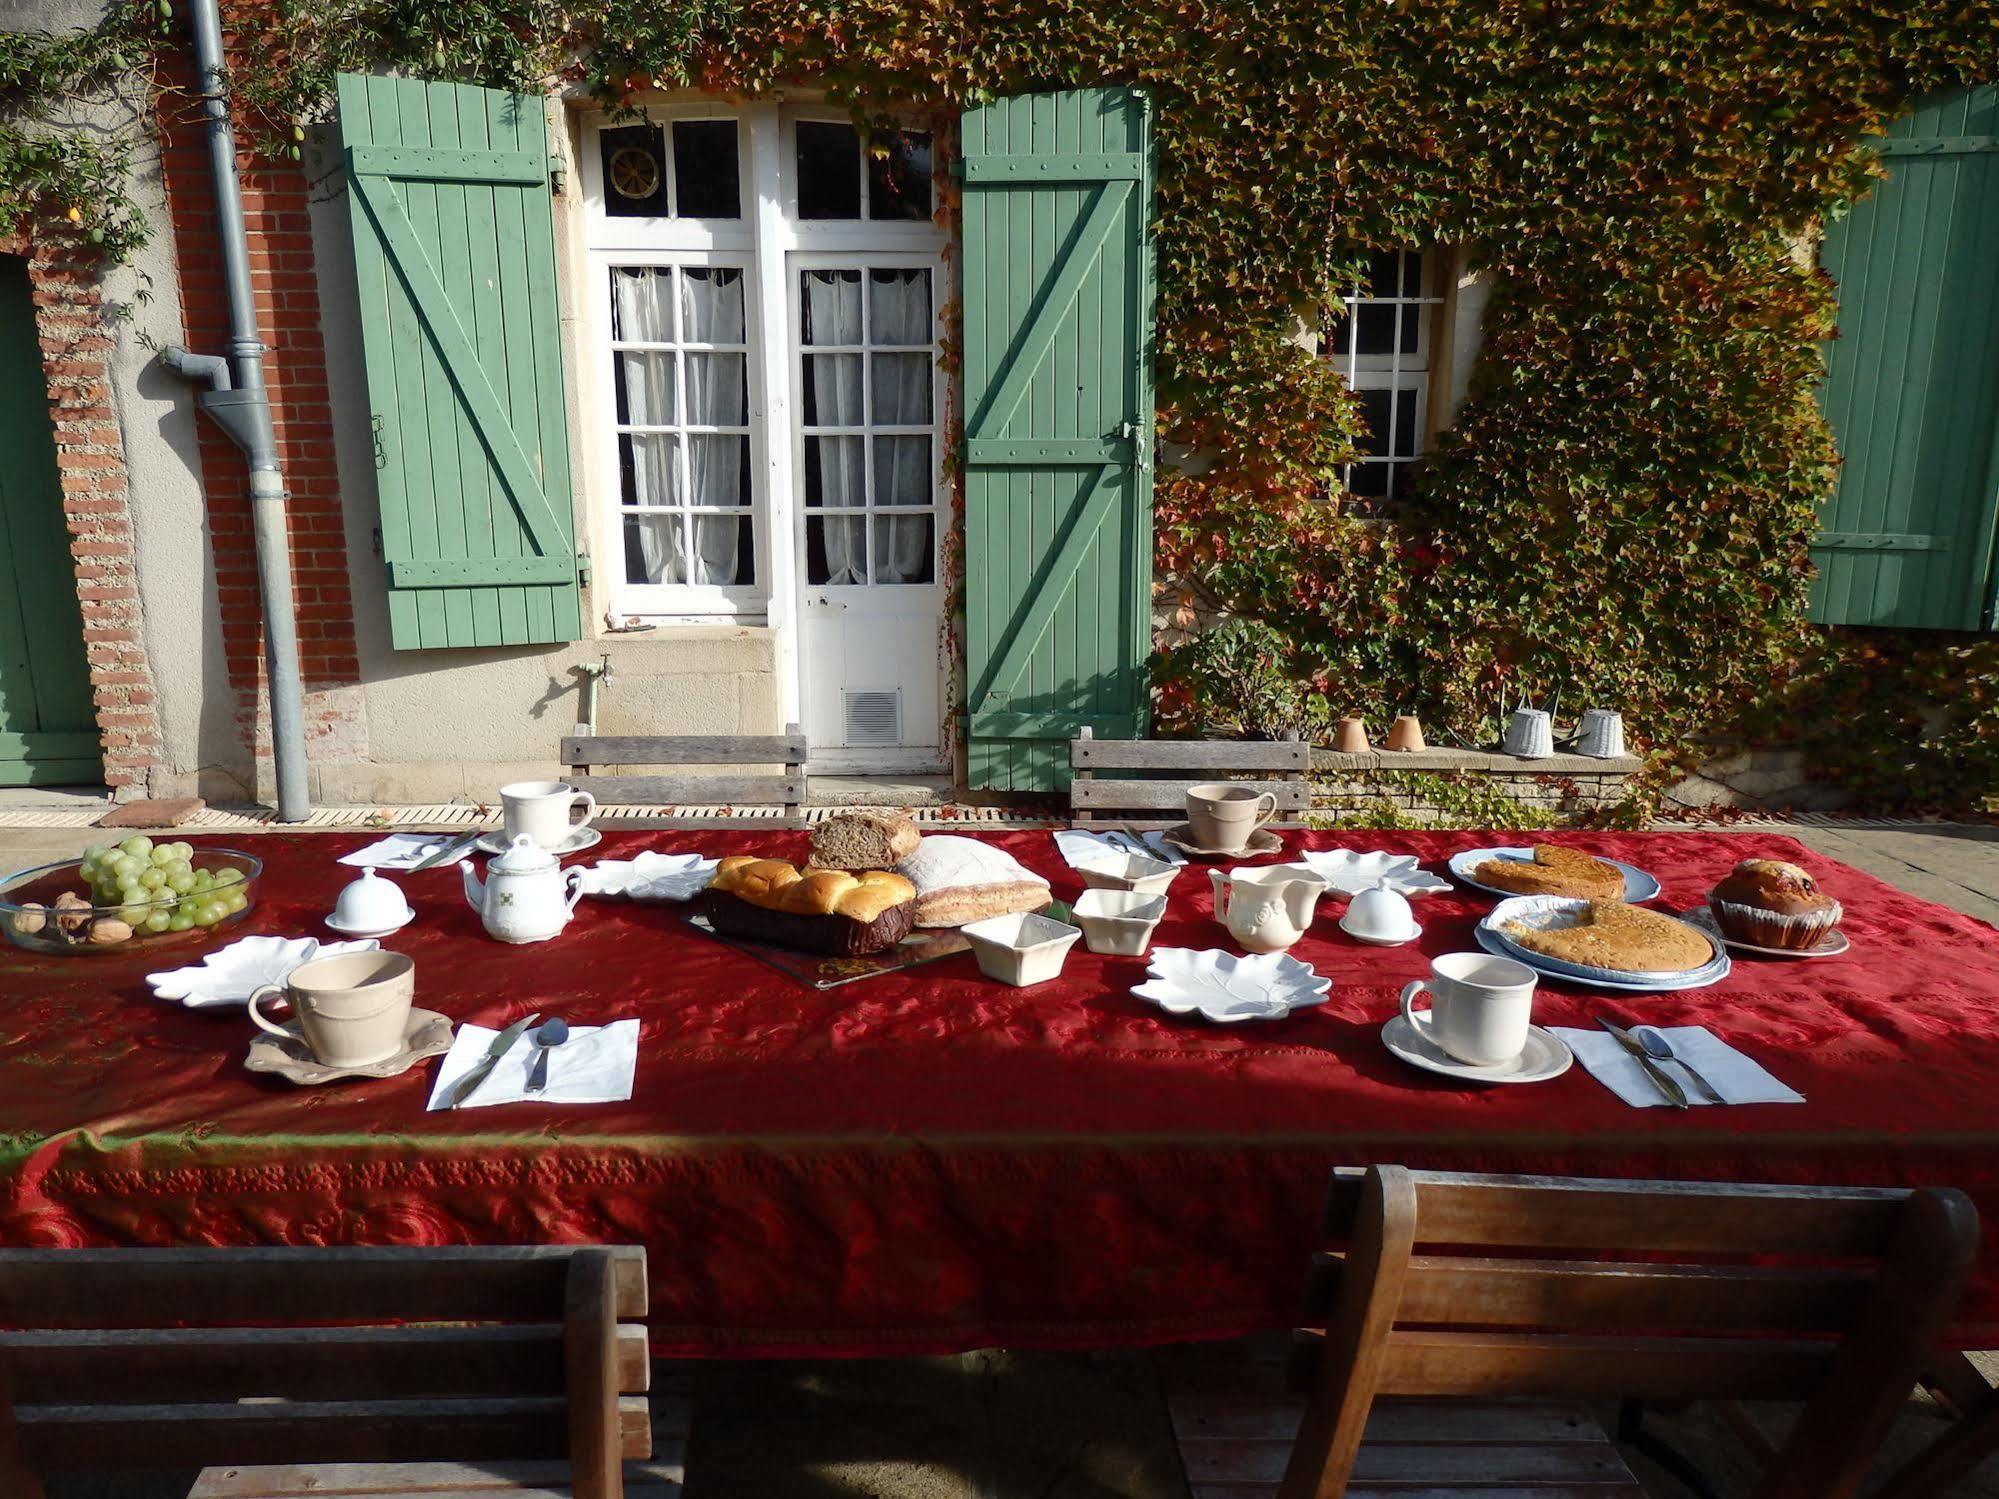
[106,930]
[31,918]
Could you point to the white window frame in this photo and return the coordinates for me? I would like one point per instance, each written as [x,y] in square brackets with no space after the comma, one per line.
[1396,371]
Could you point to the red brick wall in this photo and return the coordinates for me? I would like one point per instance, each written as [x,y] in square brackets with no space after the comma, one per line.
[90,462]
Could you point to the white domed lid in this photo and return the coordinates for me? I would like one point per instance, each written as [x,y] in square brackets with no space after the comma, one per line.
[523,856]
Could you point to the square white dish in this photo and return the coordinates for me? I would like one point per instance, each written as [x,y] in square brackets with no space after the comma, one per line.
[1226,988]
[1118,922]
[1021,948]
[1136,872]
[1349,872]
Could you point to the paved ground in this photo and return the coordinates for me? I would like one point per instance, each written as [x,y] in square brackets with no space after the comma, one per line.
[998,1425]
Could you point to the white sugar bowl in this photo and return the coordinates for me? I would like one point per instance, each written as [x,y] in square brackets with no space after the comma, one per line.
[370,907]
[1382,917]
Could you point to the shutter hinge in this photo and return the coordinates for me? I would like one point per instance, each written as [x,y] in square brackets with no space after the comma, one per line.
[375,536]
[558,175]
[583,569]
[957,169]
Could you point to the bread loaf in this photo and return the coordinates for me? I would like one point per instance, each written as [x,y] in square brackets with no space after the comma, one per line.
[1554,871]
[867,838]
[817,910]
[959,880]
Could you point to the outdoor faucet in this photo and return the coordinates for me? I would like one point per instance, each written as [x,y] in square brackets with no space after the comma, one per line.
[586,692]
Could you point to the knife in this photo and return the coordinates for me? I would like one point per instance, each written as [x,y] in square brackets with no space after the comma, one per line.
[1674,1093]
[455,846]
[502,1044]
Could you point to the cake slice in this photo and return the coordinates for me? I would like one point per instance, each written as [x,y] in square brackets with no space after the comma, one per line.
[1625,939]
[1554,871]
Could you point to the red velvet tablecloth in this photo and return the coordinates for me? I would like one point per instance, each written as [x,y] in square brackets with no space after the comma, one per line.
[927,1161]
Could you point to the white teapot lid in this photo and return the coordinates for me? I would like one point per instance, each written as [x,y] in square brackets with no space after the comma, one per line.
[523,856]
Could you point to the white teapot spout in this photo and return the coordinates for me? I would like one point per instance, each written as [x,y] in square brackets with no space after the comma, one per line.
[475,888]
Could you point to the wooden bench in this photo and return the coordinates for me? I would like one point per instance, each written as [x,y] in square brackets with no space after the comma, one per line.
[1585,1289]
[580,752]
[1208,760]
[390,1369]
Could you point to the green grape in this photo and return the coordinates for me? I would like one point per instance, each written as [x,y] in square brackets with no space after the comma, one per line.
[163,854]
[105,893]
[228,876]
[132,915]
[139,846]
[152,879]
[180,882]
[184,852]
[237,901]
[203,880]
[180,866]
[188,907]
[126,864]
[158,921]
[180,921]
[211,913]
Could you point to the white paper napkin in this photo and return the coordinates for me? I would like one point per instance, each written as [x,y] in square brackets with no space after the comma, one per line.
[595,1065]
[1736,1077]
[1079,848]
[399,850]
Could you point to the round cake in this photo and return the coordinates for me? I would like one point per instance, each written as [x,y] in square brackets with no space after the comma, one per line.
[1769,903]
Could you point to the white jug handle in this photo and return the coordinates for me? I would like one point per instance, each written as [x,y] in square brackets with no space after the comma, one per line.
[258,996]
[574,880]
[1409,992]
[589,808]
[1222,886]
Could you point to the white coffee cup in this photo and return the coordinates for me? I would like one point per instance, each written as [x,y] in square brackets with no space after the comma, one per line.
[351,1009]
[1480,1007]
[541,809]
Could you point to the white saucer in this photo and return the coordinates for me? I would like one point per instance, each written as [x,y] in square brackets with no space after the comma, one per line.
[578,840]
[425,1034]
[369,931]
[1411,935]
[1545,1056]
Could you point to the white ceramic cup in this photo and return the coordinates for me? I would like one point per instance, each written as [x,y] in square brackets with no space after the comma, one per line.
[1480,1007]
[541,810]
[1223,817]
[350,1010]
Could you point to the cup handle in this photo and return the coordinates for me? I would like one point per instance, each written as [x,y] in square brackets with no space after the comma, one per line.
[1270,812]
[1409,992]
[589,808]
[257,997]
[574,880]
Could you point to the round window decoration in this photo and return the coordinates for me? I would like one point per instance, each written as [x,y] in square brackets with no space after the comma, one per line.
[634,172]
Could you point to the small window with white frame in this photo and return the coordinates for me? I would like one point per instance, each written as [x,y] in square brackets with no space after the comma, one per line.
[1382,343]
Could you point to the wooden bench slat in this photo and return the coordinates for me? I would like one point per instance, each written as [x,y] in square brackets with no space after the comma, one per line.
[1580,1367]
[302,1363]
[1291,796]
[197,1435]
[1417,1462]
[684,749]
[694,790]
[1189,754]
[122,1288]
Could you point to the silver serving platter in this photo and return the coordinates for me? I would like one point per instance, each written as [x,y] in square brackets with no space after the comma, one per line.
[1551,911]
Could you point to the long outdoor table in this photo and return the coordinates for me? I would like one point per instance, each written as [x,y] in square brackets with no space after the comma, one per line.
[929,1161]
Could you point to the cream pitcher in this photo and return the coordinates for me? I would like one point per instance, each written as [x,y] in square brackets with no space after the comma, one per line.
[1266,909]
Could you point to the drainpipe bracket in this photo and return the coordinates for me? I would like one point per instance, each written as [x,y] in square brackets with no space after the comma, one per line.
[236,413]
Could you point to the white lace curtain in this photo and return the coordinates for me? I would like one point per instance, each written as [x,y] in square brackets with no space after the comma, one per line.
[711,312]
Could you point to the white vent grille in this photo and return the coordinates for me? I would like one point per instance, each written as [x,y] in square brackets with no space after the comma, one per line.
[873,717]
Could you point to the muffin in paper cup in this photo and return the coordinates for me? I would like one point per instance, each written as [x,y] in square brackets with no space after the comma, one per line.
[1769,903]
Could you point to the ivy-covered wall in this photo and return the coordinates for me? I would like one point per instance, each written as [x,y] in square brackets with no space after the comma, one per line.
[1622,508]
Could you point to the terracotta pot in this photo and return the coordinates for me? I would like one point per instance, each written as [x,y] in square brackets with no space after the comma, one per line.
[1406,733]
[1350,737]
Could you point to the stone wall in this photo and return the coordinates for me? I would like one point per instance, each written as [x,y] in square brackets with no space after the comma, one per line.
[1756,780]
[1349,787]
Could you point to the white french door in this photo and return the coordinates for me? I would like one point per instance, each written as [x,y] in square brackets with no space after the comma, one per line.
[869,514]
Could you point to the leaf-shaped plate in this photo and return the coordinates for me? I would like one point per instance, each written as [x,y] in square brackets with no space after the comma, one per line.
[230,975]
[650,876]
[1350,872]
[1224,987]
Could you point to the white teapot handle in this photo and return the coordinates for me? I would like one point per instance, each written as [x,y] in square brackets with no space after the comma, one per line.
[574,880]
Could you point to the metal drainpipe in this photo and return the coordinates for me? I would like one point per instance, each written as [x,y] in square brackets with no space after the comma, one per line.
[237,401]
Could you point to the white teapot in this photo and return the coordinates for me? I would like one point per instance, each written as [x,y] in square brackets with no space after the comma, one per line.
[526,897]
[1266,909]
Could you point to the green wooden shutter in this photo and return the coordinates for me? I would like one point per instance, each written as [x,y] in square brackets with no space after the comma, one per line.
[454,257]
[1912,382]
[1059,418]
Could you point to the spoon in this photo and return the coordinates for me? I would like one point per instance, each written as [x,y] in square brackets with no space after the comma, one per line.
[551,1035]
[1660,1049]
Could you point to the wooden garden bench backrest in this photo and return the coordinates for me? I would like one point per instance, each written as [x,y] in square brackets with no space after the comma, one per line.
[1656,1290]
[706,788]
[161,1358]
[1163,769]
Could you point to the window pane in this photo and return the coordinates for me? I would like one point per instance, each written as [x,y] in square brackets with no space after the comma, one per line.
[901,390]
[1412,273]
[706,175]
[1404,444]
[833,390]
[649,468]
[654,549]
[899,175]
[833,473]
[902,471]
[1373,440]
[831,311]
[1384,274]
[898,307]
[711,307]
[717,390]
[634,161]
[1370,480]
[828,171]
[645,389]
[641,311]
[722,551]
[902,549]
[1376,327]
[835,549]
[718,469]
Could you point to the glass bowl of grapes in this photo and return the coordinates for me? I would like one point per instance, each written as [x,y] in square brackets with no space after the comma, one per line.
[119,894]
